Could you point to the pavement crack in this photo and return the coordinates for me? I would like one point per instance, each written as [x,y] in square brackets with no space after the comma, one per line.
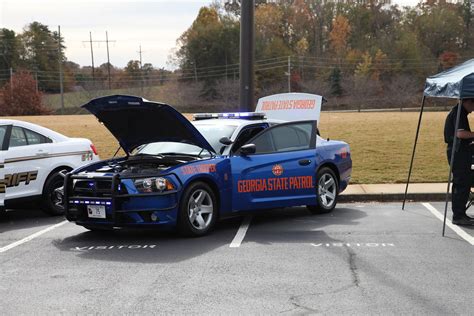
[353,267]
[294,300]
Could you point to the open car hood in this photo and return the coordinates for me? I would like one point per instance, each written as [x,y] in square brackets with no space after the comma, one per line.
[135,121]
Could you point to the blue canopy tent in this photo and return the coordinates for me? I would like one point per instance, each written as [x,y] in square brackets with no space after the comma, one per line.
[455,83]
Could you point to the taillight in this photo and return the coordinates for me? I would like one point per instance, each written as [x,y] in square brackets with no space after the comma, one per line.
[94,150]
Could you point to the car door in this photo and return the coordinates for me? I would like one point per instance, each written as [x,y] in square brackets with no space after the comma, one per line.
[245,134]
[26,162]
[3,145]
[281,172]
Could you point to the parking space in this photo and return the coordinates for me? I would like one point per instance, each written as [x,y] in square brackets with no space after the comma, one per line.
[362,258]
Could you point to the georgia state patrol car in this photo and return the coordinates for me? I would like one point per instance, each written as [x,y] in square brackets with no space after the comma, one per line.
[31,160]
[188,175]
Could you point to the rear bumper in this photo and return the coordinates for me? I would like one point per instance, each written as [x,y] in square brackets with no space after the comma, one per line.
[344,184]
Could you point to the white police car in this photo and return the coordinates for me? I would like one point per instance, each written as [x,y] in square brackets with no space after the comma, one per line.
[31,161]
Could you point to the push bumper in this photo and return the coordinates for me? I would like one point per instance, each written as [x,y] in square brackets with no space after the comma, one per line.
[121,208]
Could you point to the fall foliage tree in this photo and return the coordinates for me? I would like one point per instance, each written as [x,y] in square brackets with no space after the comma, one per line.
[339,35]
[19,97]
[448,59]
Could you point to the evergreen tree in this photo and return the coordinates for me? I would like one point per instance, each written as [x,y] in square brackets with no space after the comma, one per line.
[335,82]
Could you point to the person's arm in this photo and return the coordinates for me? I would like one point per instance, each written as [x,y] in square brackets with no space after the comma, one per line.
[462,134]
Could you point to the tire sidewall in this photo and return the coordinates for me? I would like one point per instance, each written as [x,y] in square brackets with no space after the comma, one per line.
[321,172]
[184,225]
[50,185]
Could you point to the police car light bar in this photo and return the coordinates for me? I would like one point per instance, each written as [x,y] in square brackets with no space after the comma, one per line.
[238,115]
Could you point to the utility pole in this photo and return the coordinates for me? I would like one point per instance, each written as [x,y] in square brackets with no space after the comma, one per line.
[140,52]
[108,58]
[289,74]
[195,72]
[92,57]
[36,79]
[247,55]
[11,80]
[60,59]
[107,41]
[141,69]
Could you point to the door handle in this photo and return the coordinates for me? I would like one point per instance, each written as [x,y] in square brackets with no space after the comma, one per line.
[304,162]
[41,154]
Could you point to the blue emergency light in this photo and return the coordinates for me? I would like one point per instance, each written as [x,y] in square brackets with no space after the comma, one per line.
[237,115]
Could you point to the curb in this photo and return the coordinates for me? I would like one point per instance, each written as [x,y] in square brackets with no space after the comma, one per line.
[393,197]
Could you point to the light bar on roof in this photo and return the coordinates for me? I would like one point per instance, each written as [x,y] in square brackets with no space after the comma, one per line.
[236,115]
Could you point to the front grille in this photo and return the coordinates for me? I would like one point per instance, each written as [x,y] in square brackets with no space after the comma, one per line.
[94,188]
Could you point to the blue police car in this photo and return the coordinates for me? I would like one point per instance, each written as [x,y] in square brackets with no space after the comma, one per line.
[187,175]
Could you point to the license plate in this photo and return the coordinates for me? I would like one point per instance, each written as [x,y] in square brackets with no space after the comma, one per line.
[96,211]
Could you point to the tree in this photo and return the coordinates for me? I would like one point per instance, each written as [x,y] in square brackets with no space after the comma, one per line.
[380,65]
[409,51]
[133,72]
[339,35]
[440,28]
[8,49]
[204,45]
[39,53]
[335,82]
[364,68]
[199,44]
[268,23]
[448,59]
[269,75]
[467,16]
[20,97]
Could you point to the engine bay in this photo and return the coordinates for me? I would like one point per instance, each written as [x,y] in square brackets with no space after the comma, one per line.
[144,164]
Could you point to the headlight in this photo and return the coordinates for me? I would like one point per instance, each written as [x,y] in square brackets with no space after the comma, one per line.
[160,184]
[150,185]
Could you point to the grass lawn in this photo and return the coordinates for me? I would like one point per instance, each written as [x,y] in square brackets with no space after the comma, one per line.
[381,143]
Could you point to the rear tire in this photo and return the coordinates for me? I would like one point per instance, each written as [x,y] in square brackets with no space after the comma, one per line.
[52,204]
[197,211]
[327,189]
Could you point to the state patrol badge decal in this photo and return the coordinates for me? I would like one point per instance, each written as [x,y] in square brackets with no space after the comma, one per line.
[277,170]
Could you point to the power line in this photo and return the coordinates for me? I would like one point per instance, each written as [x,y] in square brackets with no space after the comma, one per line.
[107,41]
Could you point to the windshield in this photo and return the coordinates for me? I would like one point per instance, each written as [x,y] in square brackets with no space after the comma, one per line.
[3,130]
[212,133]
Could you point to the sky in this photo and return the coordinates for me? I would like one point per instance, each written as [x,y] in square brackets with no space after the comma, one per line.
[153,24]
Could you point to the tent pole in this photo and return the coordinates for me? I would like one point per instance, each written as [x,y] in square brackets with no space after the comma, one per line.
[414,149]
[452,163]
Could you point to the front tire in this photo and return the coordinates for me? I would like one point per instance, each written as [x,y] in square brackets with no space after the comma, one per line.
[52,203]
[326,192]
[197,210]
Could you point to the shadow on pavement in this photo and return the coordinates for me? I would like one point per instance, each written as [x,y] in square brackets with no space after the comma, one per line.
[29,218]
[298,225]
[146,246]
[163,247]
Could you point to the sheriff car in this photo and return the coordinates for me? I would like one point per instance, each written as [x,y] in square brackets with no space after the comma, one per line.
[31,161]
[188,175]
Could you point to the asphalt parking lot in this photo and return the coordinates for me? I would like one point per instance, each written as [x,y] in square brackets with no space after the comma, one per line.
[361,259]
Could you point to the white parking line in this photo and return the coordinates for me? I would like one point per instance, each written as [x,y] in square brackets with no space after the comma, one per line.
[455,228]
[241,232]
[31,237]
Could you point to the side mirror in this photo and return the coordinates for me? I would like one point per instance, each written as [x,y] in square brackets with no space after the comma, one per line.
[225,141]
[248,149]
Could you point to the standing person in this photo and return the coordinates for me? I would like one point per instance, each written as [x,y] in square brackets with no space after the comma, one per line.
[462,173]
